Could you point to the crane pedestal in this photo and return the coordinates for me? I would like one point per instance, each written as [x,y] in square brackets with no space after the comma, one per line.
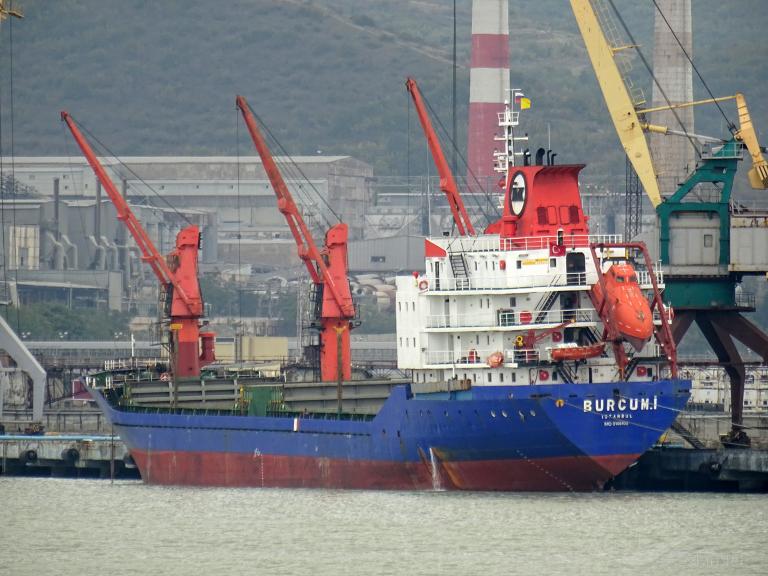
[720,328]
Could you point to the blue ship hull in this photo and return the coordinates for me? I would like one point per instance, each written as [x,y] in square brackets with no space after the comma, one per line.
[542,437]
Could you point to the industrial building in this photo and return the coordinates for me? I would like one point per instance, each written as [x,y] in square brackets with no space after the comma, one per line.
[61,247]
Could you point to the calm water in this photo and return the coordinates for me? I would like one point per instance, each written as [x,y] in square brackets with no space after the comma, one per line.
[92,527]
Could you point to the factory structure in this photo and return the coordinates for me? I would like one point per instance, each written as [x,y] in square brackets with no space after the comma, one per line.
[64,241]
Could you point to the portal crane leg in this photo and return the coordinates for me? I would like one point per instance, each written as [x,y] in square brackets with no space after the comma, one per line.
[720,328]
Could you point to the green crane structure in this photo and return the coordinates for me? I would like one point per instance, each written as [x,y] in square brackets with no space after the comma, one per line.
[707,241]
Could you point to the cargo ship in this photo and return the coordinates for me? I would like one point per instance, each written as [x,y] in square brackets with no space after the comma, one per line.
[540,359]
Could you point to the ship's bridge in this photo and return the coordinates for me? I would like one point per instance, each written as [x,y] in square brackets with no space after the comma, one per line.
[517,265]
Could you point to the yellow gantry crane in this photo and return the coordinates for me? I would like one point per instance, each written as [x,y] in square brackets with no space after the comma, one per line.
[706,245]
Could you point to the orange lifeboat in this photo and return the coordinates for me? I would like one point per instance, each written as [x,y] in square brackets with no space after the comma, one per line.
[572,353]
[625,307]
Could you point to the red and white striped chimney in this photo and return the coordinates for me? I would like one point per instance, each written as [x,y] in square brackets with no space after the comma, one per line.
[488,85]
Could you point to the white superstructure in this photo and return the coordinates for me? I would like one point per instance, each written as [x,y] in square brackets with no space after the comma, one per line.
[490,311]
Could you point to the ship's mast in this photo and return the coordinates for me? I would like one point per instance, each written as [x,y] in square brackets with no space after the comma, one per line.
[509,119]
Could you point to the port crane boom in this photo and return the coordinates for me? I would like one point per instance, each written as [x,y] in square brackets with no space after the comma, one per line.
[447,181]
[327,268]
[177,273]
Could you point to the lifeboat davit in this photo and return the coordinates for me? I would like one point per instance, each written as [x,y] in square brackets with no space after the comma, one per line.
[625,306]
[573,353]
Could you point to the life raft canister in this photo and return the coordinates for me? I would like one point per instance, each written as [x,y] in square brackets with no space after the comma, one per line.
[496,359]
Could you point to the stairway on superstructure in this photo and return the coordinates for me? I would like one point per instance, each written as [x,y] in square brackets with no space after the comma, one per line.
[459,268]
[545,305]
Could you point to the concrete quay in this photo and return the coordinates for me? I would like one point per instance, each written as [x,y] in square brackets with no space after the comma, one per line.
[59,455]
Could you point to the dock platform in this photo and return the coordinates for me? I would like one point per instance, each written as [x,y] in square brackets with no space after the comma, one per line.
[65,455]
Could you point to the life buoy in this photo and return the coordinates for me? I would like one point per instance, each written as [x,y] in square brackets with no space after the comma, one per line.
[164,377]
[557,337]
[642,371]
[543,375]
[423,285]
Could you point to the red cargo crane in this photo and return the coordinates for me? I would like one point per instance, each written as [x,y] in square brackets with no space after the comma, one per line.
[327,268]
[190,349]
[447,181]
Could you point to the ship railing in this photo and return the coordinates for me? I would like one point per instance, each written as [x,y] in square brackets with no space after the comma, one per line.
[507,318]
[522,355]
[478,357]
[130,363]
[495,243]
[657,314]
[505,282]
[744,299]
[644,278]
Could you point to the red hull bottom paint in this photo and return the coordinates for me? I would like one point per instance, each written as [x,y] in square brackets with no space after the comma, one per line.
[580,473]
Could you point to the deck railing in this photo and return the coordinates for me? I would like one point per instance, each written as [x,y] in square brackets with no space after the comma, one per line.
[505,318]
[478,357]
[505,282]
[494,243]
